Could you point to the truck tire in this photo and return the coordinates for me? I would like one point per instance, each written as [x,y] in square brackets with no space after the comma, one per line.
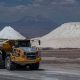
[21,67]
[34,66]
[9,64]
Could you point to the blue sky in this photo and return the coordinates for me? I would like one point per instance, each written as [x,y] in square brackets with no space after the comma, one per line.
[38,17]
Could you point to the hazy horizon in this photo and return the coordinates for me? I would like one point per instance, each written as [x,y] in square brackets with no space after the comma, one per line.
[35,18]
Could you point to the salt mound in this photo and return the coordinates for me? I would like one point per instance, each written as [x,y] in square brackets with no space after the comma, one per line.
[9,33]
[65,36]
[66,30]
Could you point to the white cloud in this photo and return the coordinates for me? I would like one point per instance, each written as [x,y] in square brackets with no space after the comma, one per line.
[69,1]
[64,2]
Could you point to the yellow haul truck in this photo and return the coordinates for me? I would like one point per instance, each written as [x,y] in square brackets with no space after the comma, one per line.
[19,53]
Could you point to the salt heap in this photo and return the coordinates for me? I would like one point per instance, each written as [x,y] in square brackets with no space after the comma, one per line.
[65,36]
[9,33]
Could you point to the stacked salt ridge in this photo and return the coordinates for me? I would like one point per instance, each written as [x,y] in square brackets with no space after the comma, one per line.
[9,33]
[65,36]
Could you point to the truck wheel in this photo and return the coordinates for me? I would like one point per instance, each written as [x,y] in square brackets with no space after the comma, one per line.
[34,66]
[9,64]
[21,67]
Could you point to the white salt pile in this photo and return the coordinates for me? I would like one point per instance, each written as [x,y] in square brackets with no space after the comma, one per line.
[65,36]
[66,30]
[9,33]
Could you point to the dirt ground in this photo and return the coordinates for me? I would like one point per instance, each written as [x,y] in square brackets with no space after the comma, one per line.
[61,55]
[46,72]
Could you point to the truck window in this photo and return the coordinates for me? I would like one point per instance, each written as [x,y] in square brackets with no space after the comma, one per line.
[23,44]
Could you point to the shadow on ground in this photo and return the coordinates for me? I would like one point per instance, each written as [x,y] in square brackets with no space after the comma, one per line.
[27,69]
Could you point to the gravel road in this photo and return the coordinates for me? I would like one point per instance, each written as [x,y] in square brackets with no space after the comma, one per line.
[46,72]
